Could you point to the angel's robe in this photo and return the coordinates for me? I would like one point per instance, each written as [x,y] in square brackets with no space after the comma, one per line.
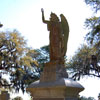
[55,40]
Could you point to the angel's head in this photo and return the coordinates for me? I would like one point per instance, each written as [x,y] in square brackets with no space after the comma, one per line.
[53,17]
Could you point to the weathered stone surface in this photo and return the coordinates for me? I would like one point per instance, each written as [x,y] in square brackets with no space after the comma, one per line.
[61,82]
[55,99]
[62,88]
[49,73]
[54,83]
[59,33]
[49,99]
[4,95]
[53,71]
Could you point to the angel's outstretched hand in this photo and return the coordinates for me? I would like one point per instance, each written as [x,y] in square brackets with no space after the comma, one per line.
[42,10]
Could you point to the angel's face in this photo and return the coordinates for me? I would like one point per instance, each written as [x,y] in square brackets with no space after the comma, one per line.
[53,17]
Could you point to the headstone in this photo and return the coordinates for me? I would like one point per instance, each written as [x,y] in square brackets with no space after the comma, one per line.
[4,95]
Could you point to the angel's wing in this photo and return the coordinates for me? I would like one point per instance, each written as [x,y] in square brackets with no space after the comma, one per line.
[65,28]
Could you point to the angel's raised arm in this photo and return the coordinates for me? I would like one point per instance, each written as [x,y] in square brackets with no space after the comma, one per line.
[43,18]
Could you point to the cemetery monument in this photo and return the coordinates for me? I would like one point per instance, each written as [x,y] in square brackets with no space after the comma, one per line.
[54,83]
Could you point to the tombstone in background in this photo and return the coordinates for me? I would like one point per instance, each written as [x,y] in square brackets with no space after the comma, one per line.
[4,95]
[54,83]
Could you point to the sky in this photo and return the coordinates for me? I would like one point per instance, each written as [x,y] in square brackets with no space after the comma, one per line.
[25,16]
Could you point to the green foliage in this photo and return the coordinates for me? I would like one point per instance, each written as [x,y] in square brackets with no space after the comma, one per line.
[85,98]
[12,46]
[17,98]
[83,63]
[93,24]
[86,61]
[17,60]
[22,64]
[42,57]
[93,37]
[94,3]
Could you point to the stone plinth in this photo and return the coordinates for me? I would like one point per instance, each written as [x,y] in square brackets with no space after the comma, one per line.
[62,89]
[54,84]
[53,71]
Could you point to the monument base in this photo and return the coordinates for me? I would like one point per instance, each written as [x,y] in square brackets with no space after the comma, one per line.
[62,89]
[54,98]
[53,71]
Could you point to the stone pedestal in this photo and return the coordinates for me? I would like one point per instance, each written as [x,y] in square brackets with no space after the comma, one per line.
[62,89]
[53,71]
[54,84]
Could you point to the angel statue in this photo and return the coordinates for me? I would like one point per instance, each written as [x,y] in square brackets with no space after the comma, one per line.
[59,32]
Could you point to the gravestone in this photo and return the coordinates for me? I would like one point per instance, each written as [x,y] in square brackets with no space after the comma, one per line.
[54,83]
[4,95]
